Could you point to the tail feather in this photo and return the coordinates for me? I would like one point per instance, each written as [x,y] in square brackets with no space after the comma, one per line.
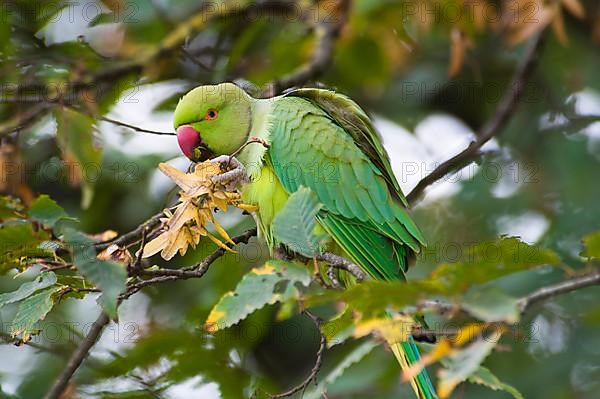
[407,354]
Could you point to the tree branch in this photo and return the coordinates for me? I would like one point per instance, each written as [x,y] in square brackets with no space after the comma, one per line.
[326,33]
[78,356]
[340,262]
[196,271]
[172,42]
[557,289]
[525,302]
[23,120]
[318,361]
[135,234]
[506,109]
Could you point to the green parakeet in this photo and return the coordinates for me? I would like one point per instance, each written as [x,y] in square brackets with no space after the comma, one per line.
[324,141]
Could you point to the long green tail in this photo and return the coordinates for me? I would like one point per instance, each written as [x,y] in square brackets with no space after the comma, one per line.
[407,354]
[383,259]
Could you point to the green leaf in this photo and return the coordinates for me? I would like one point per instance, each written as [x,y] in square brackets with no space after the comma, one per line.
[491,260]
[491,304]
[295,224]
[271,283]
[20,242]
[460,365]
[483,376]
[82,156]
[505,256]
[32,310]
[44,280]
[353,357]
[109,276]
[339,328]
[591,243]
[45,210]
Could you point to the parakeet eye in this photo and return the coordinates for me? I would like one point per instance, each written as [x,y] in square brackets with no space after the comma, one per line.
[211,114]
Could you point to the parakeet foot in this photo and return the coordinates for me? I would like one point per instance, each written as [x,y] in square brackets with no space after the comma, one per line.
[236,172]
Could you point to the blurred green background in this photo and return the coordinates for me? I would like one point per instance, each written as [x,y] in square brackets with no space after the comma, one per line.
[429,77]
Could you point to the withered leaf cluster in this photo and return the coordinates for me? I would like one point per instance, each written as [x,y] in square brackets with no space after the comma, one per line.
[188,221]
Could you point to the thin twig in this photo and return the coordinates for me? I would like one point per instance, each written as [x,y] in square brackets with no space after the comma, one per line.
[78,356]
[8,339]
[136,267]
[563,287]
[149,224]
[23,120]
[340,262]
[493,127]
[312,377]
[525,302]
[133,127]
[196,271]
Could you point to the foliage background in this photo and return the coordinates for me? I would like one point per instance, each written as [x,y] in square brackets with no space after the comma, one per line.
[430,80]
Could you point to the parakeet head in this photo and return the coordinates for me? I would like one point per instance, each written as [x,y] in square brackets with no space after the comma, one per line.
[212,120]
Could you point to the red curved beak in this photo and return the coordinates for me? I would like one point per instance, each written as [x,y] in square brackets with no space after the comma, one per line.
[188,139]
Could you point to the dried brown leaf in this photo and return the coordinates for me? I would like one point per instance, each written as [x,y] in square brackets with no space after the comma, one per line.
[575,8]
[188,222]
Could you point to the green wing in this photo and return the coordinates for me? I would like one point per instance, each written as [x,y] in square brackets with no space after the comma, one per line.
[351,117]
[362,210]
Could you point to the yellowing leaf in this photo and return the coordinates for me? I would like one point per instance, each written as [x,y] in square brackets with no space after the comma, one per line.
[444,348]
[274,282]
[393,330]
[591,245]
[215,316]
[265,269]
[463,363]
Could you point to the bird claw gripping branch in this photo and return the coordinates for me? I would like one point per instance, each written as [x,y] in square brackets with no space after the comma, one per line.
[234,174]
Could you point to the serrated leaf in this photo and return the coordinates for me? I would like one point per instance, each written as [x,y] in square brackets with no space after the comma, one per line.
[393,330]
[355,356]
[506,256]
[591,244]
[483,376]
[490,304]
[32,310]
[45,210]
[44,280]
[271,283]
[460,365]
[295,224]
[109,276]
[491,260]
[446,347]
